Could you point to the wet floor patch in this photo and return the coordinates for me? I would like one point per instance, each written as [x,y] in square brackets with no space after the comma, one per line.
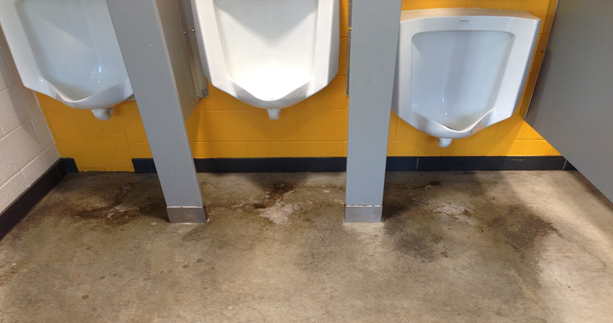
[274,207]
[110,199]
[281,201]
[420,216]
[519,228]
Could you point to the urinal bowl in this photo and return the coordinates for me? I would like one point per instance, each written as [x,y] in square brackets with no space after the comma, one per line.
[270,54]
[68,50]
[461,70]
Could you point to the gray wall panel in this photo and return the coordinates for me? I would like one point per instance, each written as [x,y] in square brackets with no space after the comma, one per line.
[572,107]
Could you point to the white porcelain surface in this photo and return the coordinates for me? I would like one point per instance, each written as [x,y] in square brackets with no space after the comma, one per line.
[67,49]
[461,70]
[268,53]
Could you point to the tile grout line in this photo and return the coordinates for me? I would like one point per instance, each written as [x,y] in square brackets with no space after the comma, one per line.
[37,135]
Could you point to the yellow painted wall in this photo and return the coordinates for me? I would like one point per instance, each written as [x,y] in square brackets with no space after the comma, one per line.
[223,127]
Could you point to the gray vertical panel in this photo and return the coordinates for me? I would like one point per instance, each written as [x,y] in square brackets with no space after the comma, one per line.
[162,86]
[374,43]
[572,107]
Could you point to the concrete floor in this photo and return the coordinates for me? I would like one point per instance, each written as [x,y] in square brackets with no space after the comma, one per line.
[455,247]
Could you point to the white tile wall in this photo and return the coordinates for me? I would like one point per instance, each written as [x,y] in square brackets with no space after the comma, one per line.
[32,171]
[11,190]
[17,106]
[43,132]
[17,149]
[27,148]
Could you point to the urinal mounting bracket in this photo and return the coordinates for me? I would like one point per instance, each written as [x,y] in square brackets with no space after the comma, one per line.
[189,31]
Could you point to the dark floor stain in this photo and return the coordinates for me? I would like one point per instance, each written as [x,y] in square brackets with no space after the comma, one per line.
[417,235]
[419,245]
[258,206]
[410,220]
[276,193]
[519,228]
[198,233]
[250,213]
[127,187]
[397,200]
[116,201]
[401,198]
[430,185]
[395,208]
[117,213]
[127,204]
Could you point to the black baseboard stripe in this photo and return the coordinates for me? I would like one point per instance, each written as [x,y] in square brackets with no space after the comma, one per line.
[490,163]
[569,166]
[28,199]
[254,165]
[339,164]
[69,165]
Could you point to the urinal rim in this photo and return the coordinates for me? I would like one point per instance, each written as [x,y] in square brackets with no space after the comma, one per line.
[464,132]
[321,75]
[87,102]
[420,21]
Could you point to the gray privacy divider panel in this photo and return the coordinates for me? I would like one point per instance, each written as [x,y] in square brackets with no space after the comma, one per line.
[153,45]
[572,106]
[374,42]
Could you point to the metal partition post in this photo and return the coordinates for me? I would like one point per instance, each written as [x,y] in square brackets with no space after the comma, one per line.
[374,43]
[153,46]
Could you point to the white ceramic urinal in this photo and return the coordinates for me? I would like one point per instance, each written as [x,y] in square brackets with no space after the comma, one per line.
[268,53]
[461,70]
[68,50]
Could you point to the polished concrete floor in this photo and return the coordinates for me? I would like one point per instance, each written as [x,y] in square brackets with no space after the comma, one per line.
[455,247]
